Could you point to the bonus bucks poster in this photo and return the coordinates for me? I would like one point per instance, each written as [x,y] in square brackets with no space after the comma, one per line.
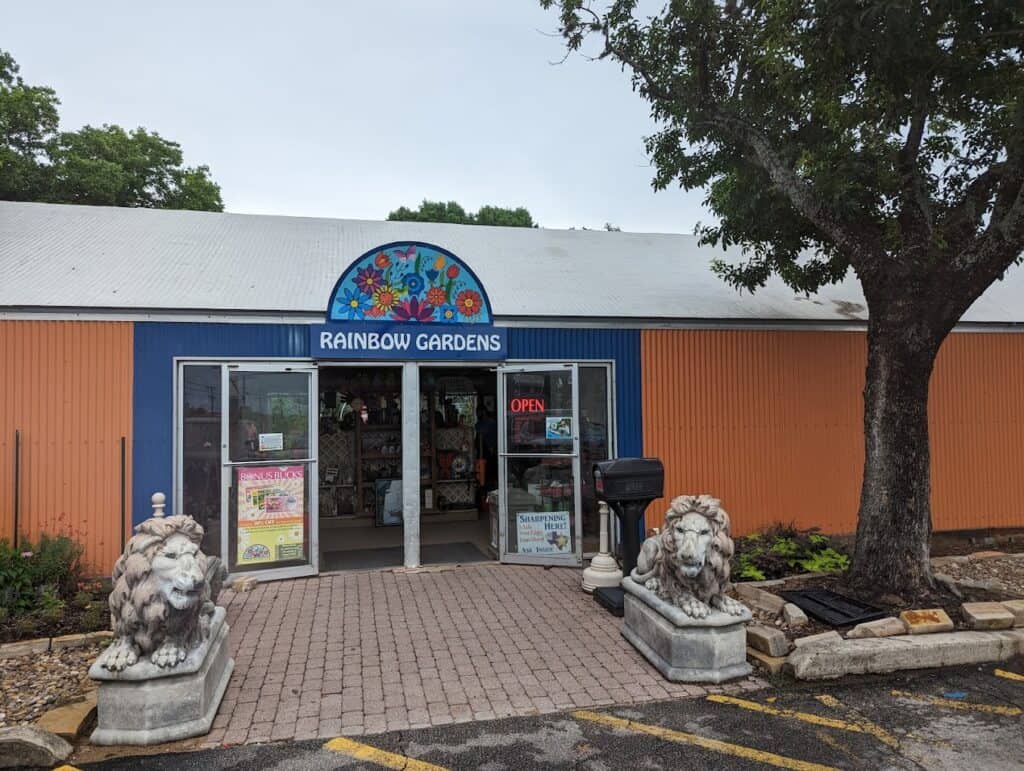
[271,516]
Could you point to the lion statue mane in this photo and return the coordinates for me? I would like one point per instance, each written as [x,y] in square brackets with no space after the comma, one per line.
[687,562]
[165,591]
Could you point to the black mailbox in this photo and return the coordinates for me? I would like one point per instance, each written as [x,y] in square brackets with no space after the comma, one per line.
[629,479]
[628,485]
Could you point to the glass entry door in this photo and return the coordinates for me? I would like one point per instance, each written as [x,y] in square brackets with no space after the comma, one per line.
[539,465]
[269,482]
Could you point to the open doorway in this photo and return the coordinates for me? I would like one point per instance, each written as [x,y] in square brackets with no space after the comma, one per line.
[360,464]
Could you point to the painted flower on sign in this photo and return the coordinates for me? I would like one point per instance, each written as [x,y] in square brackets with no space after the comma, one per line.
[385,298]
[414,283]
[469,302]
[368,280]
[413,310]
[436,296]
[384,283]
[355,304]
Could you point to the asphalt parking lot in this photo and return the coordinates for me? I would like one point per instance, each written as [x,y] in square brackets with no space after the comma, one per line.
[946,719]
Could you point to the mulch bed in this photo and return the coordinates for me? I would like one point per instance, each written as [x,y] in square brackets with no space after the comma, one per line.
[34,684]
[75,619]
[1008,571]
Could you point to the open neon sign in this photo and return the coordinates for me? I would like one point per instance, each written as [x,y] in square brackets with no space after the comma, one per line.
[521,405]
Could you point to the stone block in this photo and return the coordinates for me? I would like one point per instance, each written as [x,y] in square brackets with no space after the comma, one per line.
[926,621]
[69,721]
[793,615]
[684,649]
[760,599]
[67,641]
[825,638]
[145,704]
[773,664]
[23,745]
[987,615]
[949,583]
[1016,607]
[892,654]
[883,627]
[25,647]
[986,555]
[957,559]
[767,639]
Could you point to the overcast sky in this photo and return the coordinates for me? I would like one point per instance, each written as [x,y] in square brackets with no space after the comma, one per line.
[350,109]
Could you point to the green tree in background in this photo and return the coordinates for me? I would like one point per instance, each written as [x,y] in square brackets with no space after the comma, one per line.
[886,137]
[105,166]
[438,211]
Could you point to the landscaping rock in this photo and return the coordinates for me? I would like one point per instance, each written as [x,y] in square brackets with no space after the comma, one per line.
[987,615]
[27,746]
[958,559]
[1016,607]
[760,599]
[950,583]
[71,720]
[773,664]
[25,647]
[768,640]
[891,654]
[883,627]
[986,555]
[927,621]
[793,615]
[814,640]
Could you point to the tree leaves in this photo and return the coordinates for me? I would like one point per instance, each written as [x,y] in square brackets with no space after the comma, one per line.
[438,211]
[105,166]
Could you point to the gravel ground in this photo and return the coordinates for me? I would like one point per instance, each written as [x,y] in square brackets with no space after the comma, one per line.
[1007,570]
[31,685]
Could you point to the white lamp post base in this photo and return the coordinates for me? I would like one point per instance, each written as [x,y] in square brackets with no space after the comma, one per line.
[603,569]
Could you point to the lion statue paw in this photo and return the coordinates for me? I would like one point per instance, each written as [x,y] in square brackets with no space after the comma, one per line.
[121,654]
[653,585]
[693,607]
[169,654]
[729,605]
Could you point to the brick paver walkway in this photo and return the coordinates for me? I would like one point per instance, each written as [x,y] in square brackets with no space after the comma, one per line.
[359,653]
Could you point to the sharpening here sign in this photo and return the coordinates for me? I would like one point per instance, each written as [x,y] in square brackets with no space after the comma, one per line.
[392,340]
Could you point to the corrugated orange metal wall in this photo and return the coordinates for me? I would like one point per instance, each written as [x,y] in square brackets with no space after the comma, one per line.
[771,423]
[67,386]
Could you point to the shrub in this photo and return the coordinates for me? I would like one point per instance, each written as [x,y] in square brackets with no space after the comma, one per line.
[782,550]
[37,577]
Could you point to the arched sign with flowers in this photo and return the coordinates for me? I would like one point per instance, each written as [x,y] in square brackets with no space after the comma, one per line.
[409,282]
[382,303]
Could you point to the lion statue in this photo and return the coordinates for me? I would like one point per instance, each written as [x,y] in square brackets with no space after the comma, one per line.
[165,590]
[687,562]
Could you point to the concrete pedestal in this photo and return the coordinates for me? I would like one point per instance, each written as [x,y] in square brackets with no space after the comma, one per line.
[145,704]
[684,649]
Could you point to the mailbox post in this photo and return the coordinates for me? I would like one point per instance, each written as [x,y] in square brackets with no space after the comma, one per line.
[628,485]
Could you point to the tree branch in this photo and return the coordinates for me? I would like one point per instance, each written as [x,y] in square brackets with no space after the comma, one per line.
[916,214]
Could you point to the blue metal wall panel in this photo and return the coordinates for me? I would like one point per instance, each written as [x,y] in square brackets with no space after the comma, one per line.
[156,345]
[572,344]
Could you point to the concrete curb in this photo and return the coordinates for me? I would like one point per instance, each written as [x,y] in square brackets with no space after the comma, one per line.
[47,644]
[891,654]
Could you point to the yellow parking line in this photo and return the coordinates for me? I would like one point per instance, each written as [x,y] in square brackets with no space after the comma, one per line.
[736,750]
[964,706]
[378,756]
[1009,675]
[809,717]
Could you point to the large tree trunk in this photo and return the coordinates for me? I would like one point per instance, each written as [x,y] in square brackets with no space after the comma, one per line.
[894,522]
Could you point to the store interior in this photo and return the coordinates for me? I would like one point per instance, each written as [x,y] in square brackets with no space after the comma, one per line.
[360,465]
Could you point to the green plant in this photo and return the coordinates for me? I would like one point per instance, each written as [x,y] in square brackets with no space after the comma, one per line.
[782,550]
[82,599]
[826,561]
[96,617]
[25,626]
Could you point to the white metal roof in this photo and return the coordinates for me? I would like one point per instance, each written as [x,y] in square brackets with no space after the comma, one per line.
[141,260]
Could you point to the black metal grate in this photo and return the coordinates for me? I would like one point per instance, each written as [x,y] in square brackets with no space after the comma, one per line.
[831,608]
